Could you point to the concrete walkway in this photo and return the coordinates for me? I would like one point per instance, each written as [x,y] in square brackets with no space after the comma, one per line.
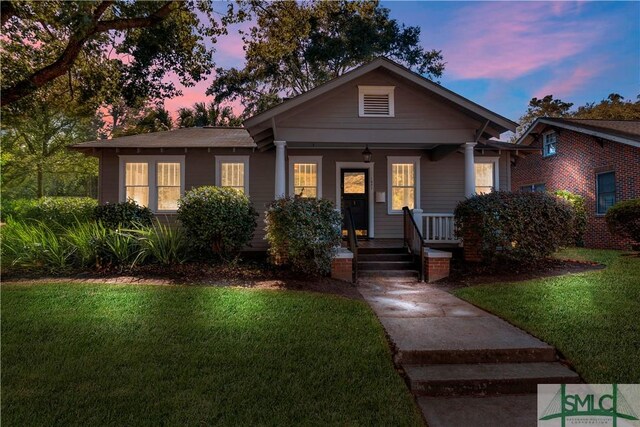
[466,367]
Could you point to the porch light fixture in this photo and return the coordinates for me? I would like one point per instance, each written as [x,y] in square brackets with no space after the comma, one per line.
[366,154]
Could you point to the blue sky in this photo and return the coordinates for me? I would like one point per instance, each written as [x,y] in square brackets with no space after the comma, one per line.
[501,54]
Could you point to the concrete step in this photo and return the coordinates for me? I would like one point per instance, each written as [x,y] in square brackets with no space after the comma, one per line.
[384,257]
[389,273]
[385,265]
[486,378]
[448,340]
[515,410]
[373,251]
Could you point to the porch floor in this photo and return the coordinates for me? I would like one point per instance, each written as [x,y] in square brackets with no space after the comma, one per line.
[395,243]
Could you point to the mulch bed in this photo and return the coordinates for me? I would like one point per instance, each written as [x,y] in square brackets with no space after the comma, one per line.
[248,274]
[472,274]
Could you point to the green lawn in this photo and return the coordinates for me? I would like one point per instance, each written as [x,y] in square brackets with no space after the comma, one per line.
[592,318]
[150,355]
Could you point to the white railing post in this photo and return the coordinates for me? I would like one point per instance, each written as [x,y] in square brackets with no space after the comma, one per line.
[439,228]
[417,217]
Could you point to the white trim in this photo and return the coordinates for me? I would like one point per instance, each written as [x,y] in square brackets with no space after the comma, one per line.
[403,159]
[577,128]
[152,162]
[357,165]
[233,159]
[376,90]
[306,159]
[545,144]
[496,169]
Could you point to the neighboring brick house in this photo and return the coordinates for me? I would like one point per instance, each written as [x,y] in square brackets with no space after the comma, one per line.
[598,159]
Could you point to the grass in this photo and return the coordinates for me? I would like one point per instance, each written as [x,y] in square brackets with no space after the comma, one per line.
[87,354]
[593,318]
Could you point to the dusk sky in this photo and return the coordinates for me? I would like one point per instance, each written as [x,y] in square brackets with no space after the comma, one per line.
[501,54]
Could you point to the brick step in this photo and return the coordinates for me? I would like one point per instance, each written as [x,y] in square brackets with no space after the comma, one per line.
[492,355]
[486,378]
[384,257]
[386,265]
[389,273]
[372,251]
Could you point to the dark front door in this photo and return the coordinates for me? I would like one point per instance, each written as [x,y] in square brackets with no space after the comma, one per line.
[354,184]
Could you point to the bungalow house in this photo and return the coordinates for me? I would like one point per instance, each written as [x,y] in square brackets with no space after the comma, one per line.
[375,139]
[598,159]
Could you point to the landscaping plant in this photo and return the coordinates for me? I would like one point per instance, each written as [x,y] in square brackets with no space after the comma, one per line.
[520,227]
[580,214]
[55,211]
[303,232]
[217,220]
[162,244]
[124,214]
[623,219]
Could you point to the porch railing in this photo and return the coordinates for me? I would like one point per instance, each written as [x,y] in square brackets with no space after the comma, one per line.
[413,240]
[439,228]
[352,242]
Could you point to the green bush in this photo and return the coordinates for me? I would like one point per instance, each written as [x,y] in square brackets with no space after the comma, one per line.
[217,220]
[124,214]
[55,211]
[580,214]
[162,244]
[303,232]
[520,227]
[623,219]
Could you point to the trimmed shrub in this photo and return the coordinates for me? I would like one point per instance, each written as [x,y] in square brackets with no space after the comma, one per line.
[124,215]
[580,213]
[521,227]
[54,211]
[217,220]
[623,219]
[304,233]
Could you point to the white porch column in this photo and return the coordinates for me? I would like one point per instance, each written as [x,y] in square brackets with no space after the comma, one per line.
[417,217]
[469,170]
[280,169]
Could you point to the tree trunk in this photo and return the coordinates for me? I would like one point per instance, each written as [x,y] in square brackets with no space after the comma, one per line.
[39,181]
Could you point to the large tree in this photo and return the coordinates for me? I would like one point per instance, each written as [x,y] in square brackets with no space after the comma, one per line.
[35,159]
[210,114]
[113,45]
[295,46]
[542,107]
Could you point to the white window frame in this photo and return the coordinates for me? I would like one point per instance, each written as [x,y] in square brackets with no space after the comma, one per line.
[152,162]
[376,90]
[545,144]
[402,159]
[597,195]
[496,169]
[233,159]
[305,159]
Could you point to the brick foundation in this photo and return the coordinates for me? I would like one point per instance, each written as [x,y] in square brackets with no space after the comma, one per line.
[437,264]
[342,266]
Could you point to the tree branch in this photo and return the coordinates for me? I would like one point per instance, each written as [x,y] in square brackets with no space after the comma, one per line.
[76,42]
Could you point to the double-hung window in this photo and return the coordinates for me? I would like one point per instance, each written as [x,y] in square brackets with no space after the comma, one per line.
[533,188]
[233,172]
[156,182]
[605,191]
[403,179]
[305,176]
[487,176]
[549,143]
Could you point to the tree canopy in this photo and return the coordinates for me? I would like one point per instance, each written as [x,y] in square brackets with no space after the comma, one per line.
[296,46]
[121,46]
[210,114]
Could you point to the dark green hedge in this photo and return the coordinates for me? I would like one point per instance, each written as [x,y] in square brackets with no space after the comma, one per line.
[623,219]
[580,213]
[54,211]
[522,227]
[124,215]
[303,233]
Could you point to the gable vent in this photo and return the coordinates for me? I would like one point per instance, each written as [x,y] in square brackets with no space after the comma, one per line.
[376,101]
[376,105]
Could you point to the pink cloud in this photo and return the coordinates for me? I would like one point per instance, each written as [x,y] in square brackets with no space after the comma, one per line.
[510,40]
[566,83]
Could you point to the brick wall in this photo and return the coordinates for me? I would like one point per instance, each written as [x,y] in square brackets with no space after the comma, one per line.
[574,166]
[342,269]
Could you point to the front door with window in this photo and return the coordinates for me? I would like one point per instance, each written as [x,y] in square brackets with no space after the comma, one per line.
[354,185]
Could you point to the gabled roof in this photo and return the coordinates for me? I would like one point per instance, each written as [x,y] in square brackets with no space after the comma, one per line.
[622,131]
[501,123]
[214,137]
